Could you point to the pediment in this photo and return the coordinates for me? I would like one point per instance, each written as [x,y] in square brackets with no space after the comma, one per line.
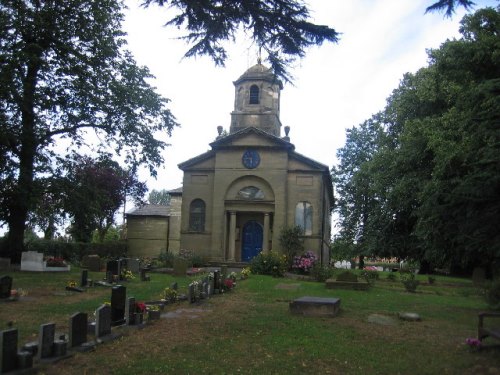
[251,137]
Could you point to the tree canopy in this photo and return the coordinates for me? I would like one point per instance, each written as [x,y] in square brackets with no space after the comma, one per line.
[422,181]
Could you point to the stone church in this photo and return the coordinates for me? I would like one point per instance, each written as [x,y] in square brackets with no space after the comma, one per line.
[238,196]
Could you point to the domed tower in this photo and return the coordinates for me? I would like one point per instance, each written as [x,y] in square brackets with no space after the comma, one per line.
[257,101]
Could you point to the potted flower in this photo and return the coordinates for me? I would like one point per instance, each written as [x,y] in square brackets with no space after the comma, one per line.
[170,295]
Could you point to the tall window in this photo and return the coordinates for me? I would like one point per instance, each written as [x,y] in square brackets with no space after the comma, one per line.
[254,94]
[303,217]
[197,216]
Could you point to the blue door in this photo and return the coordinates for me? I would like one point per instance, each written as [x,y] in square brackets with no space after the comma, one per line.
[252,240]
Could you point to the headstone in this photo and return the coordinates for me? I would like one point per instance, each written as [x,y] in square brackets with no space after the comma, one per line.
[174,286]
[84,278]
[32,261]
[8,350]
[211,286]
[204,292]
[46,340]
[315,306]
[191,293]
[103,321]
[78,323]
[4,264]
[130,311]
[118,299]
[133,265]
[92,262]
[478,276]
[109,277]
[113,266]
[180,267]
[144,277]
[24,360]
[217,282]
[60,348]
[31,347]
[5,286]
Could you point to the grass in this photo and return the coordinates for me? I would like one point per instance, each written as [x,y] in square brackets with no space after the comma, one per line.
[251,331]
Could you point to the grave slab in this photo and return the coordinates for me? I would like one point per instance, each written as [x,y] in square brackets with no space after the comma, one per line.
[315,306]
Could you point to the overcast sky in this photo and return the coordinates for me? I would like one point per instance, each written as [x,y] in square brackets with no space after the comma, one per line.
[336,86]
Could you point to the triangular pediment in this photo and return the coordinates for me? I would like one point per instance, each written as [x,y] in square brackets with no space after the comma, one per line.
[251,137]
[205,160]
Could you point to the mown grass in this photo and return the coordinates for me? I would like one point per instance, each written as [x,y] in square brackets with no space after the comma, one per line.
[251,331]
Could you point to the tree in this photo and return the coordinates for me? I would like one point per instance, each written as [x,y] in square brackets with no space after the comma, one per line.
[159,197]
[95,190]
[65,74]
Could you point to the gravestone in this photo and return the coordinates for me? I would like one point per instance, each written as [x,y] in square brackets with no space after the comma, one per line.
[113,266]
[174,286]
[46,340]
[130,311]
[204,290]
[109,277]
[180,267]
[133,265]
[84,278]
[4,264]
[217,282]
[118,299]
[78,323]
[92,262]
[315,306]
[5,286]
[103,321]
[32,261]
[8,350]
[144,277]
[191,293]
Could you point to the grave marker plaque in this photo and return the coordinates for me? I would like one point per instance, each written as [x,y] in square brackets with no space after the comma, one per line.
[8,350]
[78,324]
[46,340]
[118,299]
[103,321]
[130,311]
[217,282]
[5,286]
[113,266]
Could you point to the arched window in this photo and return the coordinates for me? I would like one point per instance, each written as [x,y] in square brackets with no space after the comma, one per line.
[303,217]
[251,192]
[197,216]
[254,94]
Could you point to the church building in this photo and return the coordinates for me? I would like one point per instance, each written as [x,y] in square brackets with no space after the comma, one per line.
[238,196]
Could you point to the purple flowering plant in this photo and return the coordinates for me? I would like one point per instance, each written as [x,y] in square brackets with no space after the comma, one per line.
[473,343]
[305,262]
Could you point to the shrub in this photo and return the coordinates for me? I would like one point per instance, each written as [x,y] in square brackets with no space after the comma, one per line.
[269,263]
[347,276]
[291,241]
[391,276]
[305,262]
[492,294]
[370,276]
[409,281]
[321,273]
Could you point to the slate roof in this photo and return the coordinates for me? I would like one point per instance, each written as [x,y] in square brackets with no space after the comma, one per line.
[151,210]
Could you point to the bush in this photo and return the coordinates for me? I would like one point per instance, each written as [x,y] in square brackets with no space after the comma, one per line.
[370,276]
[291,241]
[391,276]
[492,294]
[347,276]
[269,263]
[409,281]
[321,273]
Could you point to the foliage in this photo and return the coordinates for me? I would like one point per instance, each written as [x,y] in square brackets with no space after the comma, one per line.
[420,179]
[370,276]
[66,74]
[245,273]
[127,275]
[348,276]
[408,276]
[305,262]
[492,294]
[193,259]
[282,28]
[321,273]
[170,294]
[166,259]
[269,263]
[55,262]
[161,197]
[291,243]
[391,276]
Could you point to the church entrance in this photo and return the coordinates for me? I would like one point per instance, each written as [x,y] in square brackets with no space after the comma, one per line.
[252,240]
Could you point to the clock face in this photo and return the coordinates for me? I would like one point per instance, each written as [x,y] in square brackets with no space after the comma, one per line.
[250,159]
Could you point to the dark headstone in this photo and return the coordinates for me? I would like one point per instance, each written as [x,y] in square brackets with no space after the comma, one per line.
[31,347]
[46,340]
[78,324]
[103,321]
[180,266]
[5,286]
[60,348]
[113,266]
[174,286]
[109,277]
[4,263]
[24,360]
[130,311]
[315,306]
[144,277]
[133,265]
[118,300]
[92,262]
[84,278]
[217,282]
[8,350]
[191,293]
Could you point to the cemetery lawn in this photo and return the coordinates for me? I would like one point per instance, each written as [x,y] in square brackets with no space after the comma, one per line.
[251,331]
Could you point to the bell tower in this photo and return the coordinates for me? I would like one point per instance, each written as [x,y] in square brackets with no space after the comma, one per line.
[257,101]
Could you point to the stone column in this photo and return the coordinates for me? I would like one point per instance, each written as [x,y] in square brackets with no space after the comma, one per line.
[232,236]
[265,237]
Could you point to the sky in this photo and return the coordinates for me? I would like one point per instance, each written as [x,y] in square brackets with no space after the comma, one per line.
[336,86]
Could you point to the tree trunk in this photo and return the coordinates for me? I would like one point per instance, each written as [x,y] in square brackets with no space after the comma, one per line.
[23,193]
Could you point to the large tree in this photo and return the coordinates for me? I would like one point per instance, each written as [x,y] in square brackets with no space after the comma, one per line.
[65,75]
